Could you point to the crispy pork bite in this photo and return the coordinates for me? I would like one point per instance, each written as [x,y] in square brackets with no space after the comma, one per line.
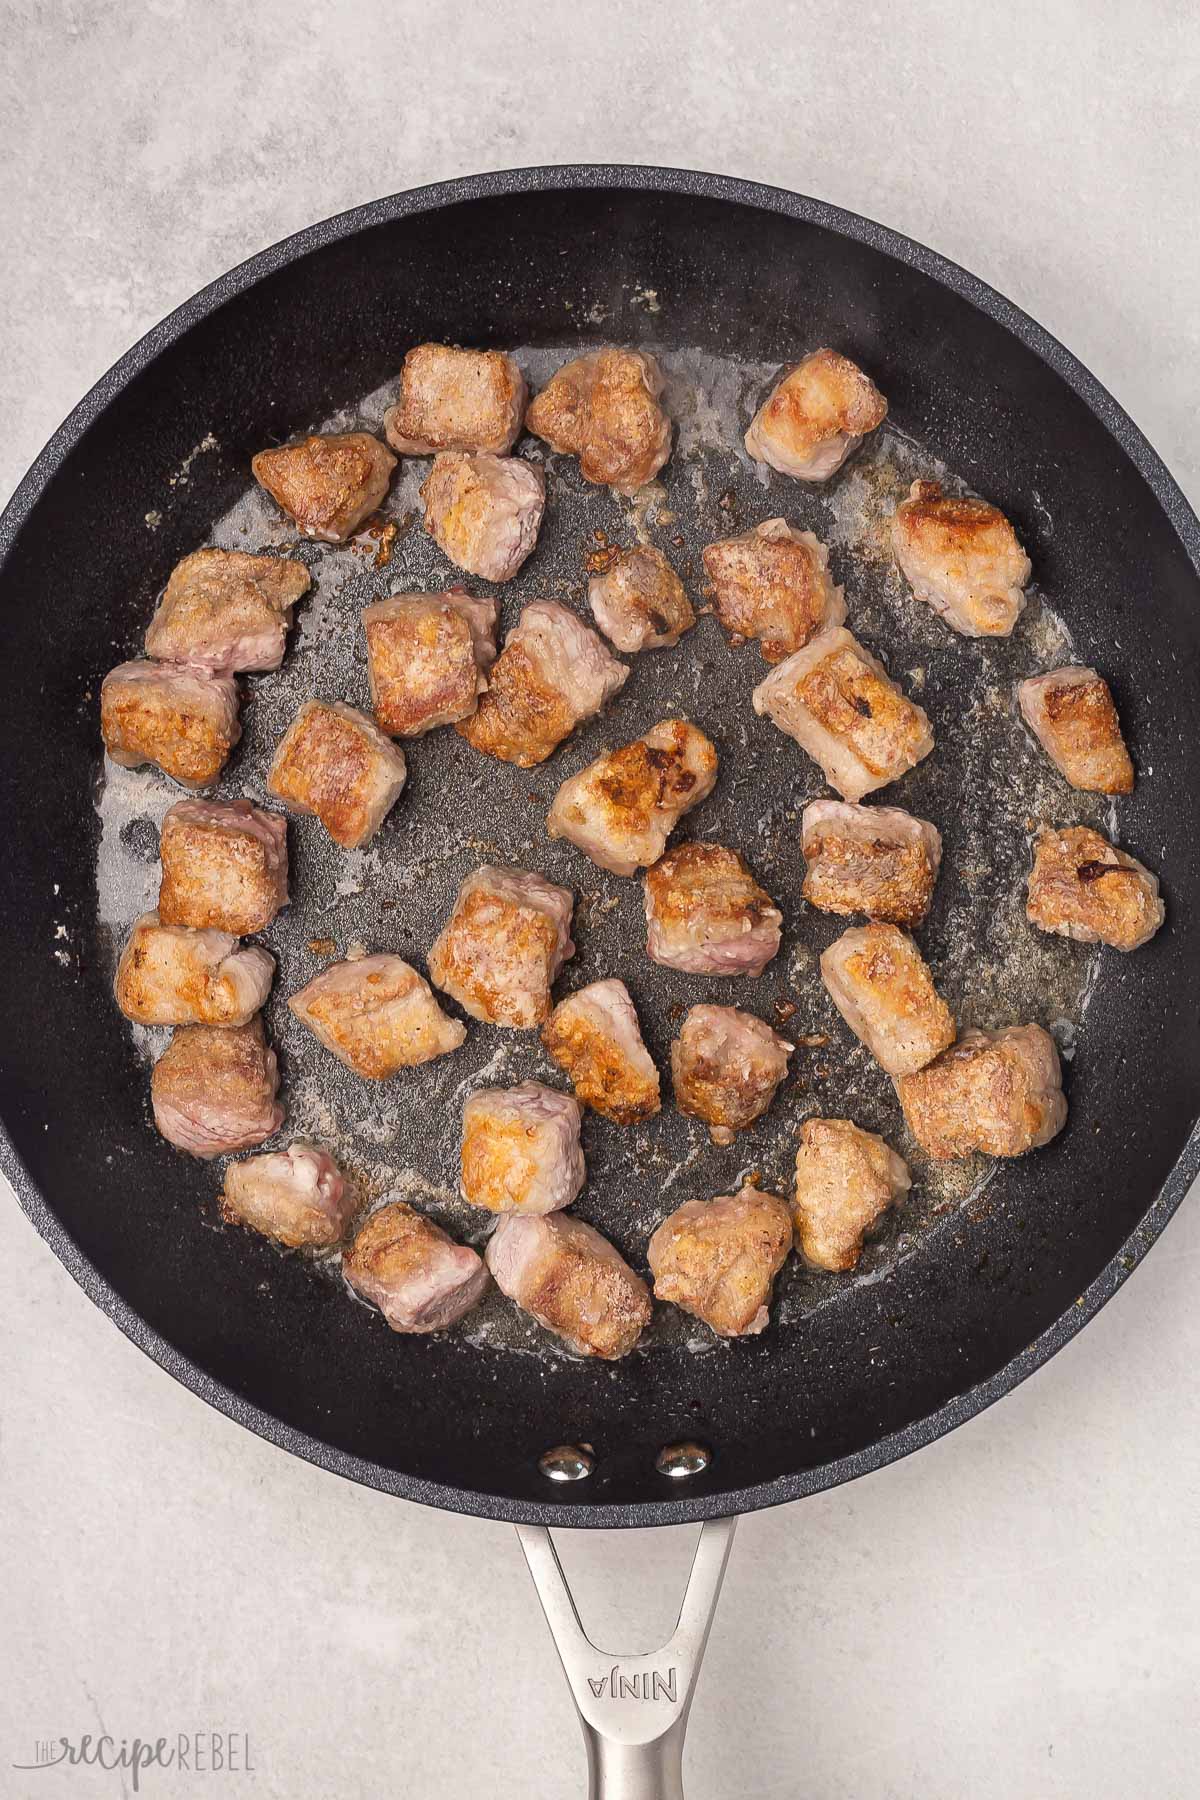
[772,583]
[1072,716]
[413,1271]
[603,408]
[572,1281]
[639,602]
[520,1149]
[718,1259]
[224,611]
[552,673]
[329,485]
[881,985]
[484,512]
[213,1089]
[846,1179]
[876,860]
[454,399]
[295,1196]
[224,866]
[706,914]
[1083,887]
[183,720]
[962,558]
[332,761]
[376,1015]
[503,945]
[595,1037]
[428,657]
[815,417]
[725,1068]
[623,807]
[842,707]
[995,1091]
[171,975]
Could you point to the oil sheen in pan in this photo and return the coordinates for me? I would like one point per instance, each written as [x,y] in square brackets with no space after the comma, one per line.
[986,785]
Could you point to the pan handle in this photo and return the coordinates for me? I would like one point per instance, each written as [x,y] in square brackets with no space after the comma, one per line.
[633,1709]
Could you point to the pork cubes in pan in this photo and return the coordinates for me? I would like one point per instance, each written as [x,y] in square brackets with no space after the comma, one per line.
[594,1036]
[412,1270]
[484,512]
[962,558]
[603,408]
[725,1068]
[773,583]
[638,601]
[552,673]
[329,485]
[224,866]
[995,1091]
[334,762]
[1083,887]
[172,975]
[815,417]
[1072,715]
[875,860]
[453,399]
[521,1150]
[706,914]
[622,808]
[881,985]
[224,611]
[213,1090]
[428,657]
[377,1015]
[295,1196]
[184,720]
[718,1259]
[503,945]
[571,1280]
[846,1179]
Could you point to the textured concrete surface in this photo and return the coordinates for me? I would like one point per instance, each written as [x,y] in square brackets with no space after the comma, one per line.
[1012,1612]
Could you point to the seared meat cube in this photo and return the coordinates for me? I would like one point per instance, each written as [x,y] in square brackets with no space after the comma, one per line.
[503,945]
[995,1091]
[881,985]
[1083,887]
[225,611]
[213,1089]
[962,558]
[876,860]
[773,584]
[224,866]
[296,1196]
[840,704]
[376,1015]
[725,1068]
[815,417]
[707,915]
[603,408]
[170,975]
[454,399]
[428,657]
[329,485]
[1071,713]
[639,602]
[332,761]
[622,808]
[846,1179]
[572,1281]
[718,1259]
[552,673]
[594,1036]
[413,1271]
[520,1149]
[484,512]
[183,720]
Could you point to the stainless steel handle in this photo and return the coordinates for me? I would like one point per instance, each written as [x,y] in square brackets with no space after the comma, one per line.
[633,1709]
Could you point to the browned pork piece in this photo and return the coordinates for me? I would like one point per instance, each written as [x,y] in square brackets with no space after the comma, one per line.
[706,914]
[995,1091]
[453,399]
[572,1281]
[1072,715]
[840,704]
[638,601]
[329,485]
[296,1196]
[503,945]
[170,975]
[622,808]
[413,1271]
[962,558]
[224,611]
[876,860]
[213,1089]
[603,408]
[376,1015]
[815,417]
[183,720]
[725,1067]
[332,761]
[846,1179]
[594,1036]
[428,657]
[552,673]
[718,1259]
[484,512]
[1083,887]
[773,583]
[881,985]
[224,866]
[520,1149]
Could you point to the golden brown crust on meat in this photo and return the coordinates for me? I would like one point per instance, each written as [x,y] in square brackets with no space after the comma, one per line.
[327,765]
[888,881]
[824,395]
[771,588]
[888,961]
[184,741]
[863,709]
[1084,887]
[521,719]
[328,484]
[598,1069]
[223,591]
[452,399]
[642,584]
[601,409]
[522,939]
[1082,721]
[219,880]
[720,1265]
[978,1095]
[597,1304]
[422,666]
[392,1241]
[499,1160]
[846,1179]
[707,878]
[212,1063]
[952,525]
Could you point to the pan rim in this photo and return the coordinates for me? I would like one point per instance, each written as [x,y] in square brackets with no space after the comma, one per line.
[670,1509]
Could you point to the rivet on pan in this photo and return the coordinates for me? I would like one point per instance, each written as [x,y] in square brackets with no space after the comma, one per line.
[681,1460]
[566,1462]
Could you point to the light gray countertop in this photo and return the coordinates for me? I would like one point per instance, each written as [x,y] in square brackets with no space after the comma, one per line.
[1011,1612]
